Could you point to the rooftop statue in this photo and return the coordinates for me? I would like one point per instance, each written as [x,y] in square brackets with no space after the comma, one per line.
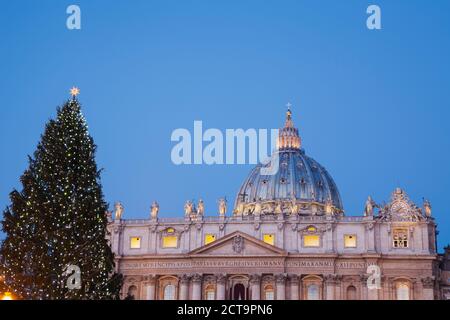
[370,205]
[118,210]
[201,208]
[154,210]
[427,207]
[222,207]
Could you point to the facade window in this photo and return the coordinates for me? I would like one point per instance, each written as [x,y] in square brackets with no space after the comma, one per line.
[170,238]
[269,238]
[351,293]
[312,292]
[350,241]
[400,238]
[169,292]
[170,242]
[209,238]
[210,293]
[311,240]
[402,291]
[135,242]
[132,292]
[269,293]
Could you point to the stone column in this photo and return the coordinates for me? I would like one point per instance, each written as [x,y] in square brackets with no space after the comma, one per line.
[184,287]
[293,279]
[196,287]
[363,280]
[428,288]
[330,286]
[281,286]
[150,286]
[220,286]
[255,285]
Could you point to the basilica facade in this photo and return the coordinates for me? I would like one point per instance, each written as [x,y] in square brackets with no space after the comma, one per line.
[286,237]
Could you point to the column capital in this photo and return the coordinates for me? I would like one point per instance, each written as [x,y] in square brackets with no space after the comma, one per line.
[221,278]
[332,278]
[428,282]
[293,277]
[184,278]
[255,278]
[197,277]
[150,279]
[280,277]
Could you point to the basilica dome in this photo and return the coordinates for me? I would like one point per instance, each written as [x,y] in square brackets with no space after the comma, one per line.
[291,182]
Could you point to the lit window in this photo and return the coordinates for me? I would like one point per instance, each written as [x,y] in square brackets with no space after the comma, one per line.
[311,240]
[210,293]
[402,291]
[169,292]
[170,242]
[135,242]
[269,239]
[170,230]
[400,238]
[350,241]
[312,292]
[269,293]
[210,238]
[312,229]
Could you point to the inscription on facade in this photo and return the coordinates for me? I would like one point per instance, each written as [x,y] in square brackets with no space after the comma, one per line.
[244,264]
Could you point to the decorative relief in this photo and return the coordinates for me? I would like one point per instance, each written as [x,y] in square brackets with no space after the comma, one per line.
[153,228]
[184,278]
[401,208]
[196,277]
[332,278]
[221,278]
[238,244]
[428,282]
[255,278]
[310,229]
[369,226]
[281,278]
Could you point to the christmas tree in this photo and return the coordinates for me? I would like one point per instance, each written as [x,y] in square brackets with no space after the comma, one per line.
[56,243]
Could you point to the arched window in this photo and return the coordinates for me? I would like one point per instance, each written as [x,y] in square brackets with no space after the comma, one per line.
[312,292]
[351,293]
[169,292]
[402,291]
[269,293]
[132,291]
[210,292]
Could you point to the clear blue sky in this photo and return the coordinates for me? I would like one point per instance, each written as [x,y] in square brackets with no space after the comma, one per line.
[372,106]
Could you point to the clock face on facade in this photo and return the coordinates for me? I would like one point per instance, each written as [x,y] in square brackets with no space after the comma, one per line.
[400,208]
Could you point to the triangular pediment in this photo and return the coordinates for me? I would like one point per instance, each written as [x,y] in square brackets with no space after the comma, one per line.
[238,244]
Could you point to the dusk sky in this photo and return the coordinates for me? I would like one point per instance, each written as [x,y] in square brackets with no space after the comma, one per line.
[372,106]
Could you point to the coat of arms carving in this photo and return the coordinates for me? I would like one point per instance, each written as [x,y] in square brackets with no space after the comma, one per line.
[238,244]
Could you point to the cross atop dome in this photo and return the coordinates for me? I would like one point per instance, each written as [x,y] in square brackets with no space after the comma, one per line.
[288,137]
[289,123]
